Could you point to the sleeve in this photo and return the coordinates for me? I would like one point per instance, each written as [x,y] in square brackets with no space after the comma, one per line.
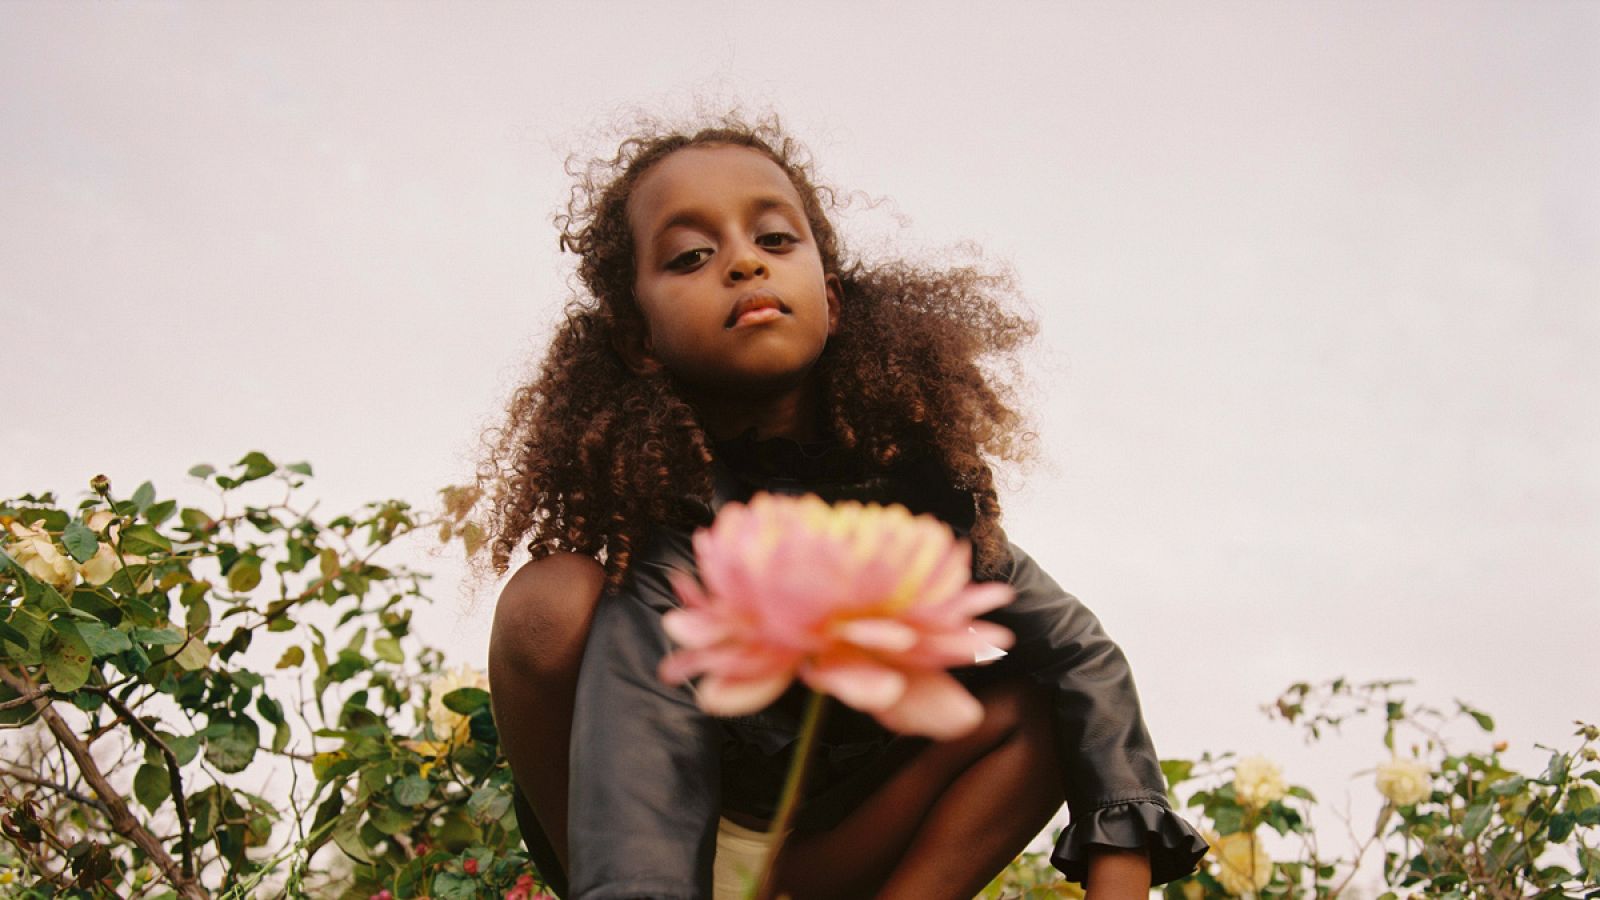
[645,775]
[1116,793]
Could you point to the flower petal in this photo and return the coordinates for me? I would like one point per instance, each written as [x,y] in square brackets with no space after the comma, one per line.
[934,705]
[861,683]
[721,696]
[878,634]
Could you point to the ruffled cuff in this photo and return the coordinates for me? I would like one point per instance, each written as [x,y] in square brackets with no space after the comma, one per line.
[1174,846]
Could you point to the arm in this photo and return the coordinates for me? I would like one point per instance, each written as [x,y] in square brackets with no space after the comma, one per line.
[540,625]
[1113,779]
[645,760]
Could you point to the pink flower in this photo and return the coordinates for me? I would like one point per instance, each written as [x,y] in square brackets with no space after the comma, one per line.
[867,603]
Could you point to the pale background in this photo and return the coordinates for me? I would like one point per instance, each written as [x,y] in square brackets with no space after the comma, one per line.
[1319,288]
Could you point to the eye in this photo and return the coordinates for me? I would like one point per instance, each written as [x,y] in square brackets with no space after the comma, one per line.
[776,240]
[688,259]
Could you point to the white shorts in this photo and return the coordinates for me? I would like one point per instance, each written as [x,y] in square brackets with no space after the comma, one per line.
[739,854]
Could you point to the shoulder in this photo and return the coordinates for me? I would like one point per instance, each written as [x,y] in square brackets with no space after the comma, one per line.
[544,611]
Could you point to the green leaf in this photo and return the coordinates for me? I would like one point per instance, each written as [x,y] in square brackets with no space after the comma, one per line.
[144,496]
[232,750]
[1557,771]
[391,821]
[300,468]
[388,650]
[162,636]
[66,657]
[467,700]
[256,465]
[79,541]
[152,786]
[245,574]
[1176,770]
[144,540]
[489,802]
[160,512]
[194,655]
[412,790]
[347,836]
[291,657]
[1477,818]
[270,709]
[202,470]
[185,748]
[450,886]
[103,640]
[1508,786]
[1561,825]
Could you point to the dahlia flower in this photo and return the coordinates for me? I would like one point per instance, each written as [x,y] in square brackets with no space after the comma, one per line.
[869,604]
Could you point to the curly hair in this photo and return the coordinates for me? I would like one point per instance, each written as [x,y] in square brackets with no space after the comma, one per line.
[592,455]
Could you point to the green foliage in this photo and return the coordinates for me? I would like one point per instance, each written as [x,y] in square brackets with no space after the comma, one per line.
[160,663]
[1452,825]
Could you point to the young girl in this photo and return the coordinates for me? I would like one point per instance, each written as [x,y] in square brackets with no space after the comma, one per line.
[726,344]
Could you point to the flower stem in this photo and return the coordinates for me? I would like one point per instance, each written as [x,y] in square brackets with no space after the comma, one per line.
[789,800]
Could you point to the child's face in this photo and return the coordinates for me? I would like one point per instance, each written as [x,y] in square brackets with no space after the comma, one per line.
[728,276]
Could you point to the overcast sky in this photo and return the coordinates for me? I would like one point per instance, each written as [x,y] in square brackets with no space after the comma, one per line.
[1319,286]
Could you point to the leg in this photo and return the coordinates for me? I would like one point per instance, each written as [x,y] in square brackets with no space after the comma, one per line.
[948,820]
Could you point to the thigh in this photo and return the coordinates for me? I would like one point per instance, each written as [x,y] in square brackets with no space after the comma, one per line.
[856,856]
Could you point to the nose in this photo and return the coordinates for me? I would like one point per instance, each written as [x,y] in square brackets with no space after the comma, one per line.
[746,265]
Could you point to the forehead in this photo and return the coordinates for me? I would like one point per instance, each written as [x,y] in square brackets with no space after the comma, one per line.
[705,178]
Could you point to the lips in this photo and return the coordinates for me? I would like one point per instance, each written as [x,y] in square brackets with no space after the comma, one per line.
[755,307]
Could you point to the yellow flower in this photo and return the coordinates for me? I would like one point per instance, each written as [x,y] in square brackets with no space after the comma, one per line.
[1258,781]
[1194,890]
[36,553]
[1243,866]
[1404,781]
[449,726]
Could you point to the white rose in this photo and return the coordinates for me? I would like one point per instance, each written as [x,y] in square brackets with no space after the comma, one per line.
[1404,781]
[36,553]
[1258,781]
[1243,866]
[449,726]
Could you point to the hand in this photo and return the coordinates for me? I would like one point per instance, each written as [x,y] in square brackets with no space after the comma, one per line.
[1118,875]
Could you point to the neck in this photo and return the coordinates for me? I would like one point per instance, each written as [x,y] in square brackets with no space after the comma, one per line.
[791,414]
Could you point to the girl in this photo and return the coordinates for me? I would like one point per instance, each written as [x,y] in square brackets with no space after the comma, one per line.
[726,345]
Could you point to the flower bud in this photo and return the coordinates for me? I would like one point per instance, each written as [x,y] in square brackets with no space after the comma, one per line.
[100,484]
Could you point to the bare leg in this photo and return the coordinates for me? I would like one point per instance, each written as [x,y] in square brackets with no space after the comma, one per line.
[948,820]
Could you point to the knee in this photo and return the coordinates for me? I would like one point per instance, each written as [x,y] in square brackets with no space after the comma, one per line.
[1012,707]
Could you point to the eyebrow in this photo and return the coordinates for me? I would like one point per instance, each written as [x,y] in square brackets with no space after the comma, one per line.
[692,217]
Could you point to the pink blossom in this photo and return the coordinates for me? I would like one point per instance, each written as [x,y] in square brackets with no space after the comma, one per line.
[867,603]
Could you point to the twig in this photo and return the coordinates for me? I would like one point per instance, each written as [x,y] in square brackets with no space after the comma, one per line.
[173,776]
[122,819]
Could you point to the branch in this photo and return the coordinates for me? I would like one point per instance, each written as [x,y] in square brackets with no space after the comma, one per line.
[25,699]
[122,819]
[75,796]
[150,737]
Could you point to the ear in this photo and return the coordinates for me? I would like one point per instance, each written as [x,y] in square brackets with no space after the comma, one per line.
[632,343]
[835,291]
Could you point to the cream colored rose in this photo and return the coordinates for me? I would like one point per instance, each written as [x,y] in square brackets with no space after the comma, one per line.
[36,553]
[104,564]
[1258,781]
[449,726]
[1243,866]
[1404,781]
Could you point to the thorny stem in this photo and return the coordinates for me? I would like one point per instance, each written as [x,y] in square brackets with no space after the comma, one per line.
[789,800]
[122,819]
